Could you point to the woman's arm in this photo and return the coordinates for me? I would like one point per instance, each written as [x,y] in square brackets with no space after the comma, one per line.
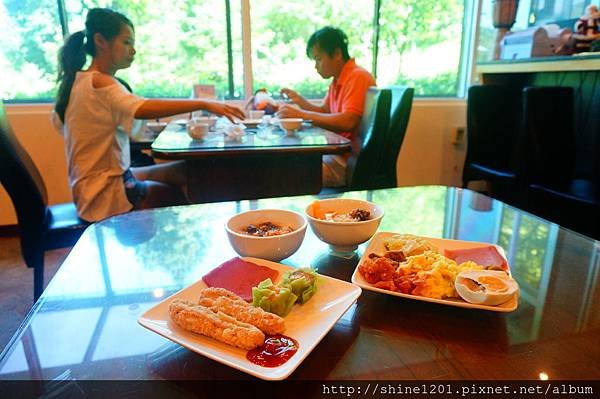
[154,108]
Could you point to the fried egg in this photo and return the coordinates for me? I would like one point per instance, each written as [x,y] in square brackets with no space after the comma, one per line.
[485,287]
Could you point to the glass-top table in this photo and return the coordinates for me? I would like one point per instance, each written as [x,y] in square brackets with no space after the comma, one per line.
[84,327]
[260,164]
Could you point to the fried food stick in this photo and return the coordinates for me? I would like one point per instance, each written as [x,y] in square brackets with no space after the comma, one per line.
[222,300]
[217,325]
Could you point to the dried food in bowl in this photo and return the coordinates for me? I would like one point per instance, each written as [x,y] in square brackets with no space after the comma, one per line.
[358,222]
[274,247]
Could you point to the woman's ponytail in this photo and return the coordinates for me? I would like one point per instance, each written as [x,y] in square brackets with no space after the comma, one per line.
[71,59]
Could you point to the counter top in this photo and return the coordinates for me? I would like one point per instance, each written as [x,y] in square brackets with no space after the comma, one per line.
[583,62]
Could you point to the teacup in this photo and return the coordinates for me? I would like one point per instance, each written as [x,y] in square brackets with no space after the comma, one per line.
[210,120]
[256,114]
[197,130]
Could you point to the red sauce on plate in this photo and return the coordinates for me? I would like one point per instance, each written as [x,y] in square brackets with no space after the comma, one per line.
[276,350]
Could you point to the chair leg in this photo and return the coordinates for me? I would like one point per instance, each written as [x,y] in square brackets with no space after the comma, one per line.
[38,279]
[34,259]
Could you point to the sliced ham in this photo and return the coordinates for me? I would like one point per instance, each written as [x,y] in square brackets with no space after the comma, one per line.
[239,276]
[484,256]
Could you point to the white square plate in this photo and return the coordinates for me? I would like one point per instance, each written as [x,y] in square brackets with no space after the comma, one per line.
[377,245]
[306,323]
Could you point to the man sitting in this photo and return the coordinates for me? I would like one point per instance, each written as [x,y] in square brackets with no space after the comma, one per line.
[343,106]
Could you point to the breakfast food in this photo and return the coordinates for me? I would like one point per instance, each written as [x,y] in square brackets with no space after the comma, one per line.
[355,215]
[486,287]
[413,265]
[409,244]
[428,274]
[217,325]
[239,276]
[486,256]
[221,300]
[266,229]
[302,282]
[296,286]
[273,298]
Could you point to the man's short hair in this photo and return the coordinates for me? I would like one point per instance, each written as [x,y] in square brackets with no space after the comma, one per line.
[329,39]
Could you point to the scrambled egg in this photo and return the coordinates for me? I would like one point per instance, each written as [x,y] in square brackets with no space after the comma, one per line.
[409,244]
[435,274]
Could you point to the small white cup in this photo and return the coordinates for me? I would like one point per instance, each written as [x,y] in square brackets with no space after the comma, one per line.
[197,130]
[210,120]
[256,114]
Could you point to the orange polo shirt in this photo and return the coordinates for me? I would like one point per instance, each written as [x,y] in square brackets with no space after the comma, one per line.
[347,92]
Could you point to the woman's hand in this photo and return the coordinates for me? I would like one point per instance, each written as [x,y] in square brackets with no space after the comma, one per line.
[229,111]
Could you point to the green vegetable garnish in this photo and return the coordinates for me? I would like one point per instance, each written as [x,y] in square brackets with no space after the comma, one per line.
[273,298]
[303,283]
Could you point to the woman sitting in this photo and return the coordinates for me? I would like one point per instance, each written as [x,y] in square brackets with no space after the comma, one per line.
[97,114]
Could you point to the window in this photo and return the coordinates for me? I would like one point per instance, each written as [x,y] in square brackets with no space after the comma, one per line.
[179,43]
[420,45]
[29,41]
[185,42]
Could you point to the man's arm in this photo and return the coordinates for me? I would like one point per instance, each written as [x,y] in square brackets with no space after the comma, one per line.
[338,122]
[302,102]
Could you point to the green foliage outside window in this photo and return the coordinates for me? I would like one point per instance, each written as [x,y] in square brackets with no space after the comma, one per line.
[184,42]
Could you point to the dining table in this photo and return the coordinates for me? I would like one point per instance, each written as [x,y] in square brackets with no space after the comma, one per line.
[261,162]
[84,330]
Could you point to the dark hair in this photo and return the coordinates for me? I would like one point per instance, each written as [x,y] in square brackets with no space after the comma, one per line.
[329,39]
[72,55]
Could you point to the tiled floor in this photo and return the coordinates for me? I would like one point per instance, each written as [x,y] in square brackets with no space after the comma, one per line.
[16,284]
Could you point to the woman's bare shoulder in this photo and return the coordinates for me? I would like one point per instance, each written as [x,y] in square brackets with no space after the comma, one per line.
[100,80]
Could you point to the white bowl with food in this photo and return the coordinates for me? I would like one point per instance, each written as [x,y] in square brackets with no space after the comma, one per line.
[344,223]
[290,124]
[272,234]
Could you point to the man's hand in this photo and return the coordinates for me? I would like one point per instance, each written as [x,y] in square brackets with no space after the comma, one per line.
[292,95]
[289,111]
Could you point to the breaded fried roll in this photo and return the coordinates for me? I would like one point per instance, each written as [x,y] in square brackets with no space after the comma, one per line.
[268,323]
[217,325]
[216,292]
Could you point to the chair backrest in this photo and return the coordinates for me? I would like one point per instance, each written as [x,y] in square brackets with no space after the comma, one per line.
[22,181]
[401,106]
[493,126]
[549,127]
[363,166]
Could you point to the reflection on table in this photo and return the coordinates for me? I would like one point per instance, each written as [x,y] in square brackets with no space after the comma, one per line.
[124,265]
[262,163]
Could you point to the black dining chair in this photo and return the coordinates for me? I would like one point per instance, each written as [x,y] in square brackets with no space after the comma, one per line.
[42,227]
[555,189]
[494,140]
[382,165]
[372,131]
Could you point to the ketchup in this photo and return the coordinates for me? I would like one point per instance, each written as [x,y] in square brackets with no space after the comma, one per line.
[276,350]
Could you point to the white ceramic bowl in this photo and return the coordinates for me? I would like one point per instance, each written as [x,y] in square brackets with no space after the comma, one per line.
[198,130]
[273,248]
[290,124]
[210,120]
[343,236]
